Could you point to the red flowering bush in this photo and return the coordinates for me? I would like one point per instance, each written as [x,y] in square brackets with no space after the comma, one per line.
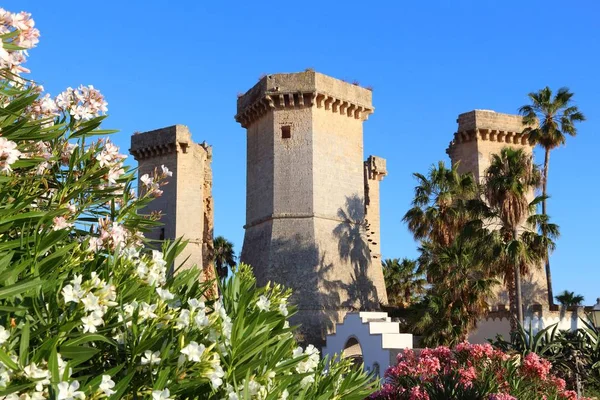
[471,371]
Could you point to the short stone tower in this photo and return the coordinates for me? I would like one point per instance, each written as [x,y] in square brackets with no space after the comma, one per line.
[305,196]
[480,134]
[186,202]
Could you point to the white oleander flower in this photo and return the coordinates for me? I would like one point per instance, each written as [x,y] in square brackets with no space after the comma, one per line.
[195,303]
[283,308]
[165,171]
[41,376]
[183,321]
[165,294]
[201,319]
[193,351]
[91,321]
[68,391]
[161,394]
[147,311]
[263,303]
[91,302]
[150,358]
[307,381]
[4,335]
[217,373]
[107,385]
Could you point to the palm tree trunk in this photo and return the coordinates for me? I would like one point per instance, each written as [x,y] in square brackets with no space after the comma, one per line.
[518,283]
[544,233]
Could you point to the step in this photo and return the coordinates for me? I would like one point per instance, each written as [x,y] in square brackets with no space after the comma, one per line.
[367,316]
[384,327]
[397,341]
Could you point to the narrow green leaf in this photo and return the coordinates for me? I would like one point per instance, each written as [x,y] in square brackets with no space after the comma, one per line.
[19,288]
[24,344]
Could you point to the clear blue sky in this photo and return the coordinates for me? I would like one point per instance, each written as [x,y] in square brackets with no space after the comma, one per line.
[428,61]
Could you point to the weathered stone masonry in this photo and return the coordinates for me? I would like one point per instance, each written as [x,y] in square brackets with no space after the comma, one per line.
[186,203]
[305,198]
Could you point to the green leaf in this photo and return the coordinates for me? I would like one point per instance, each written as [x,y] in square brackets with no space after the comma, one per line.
[19,288]
[24,344]
[121,386]
[89,337]
[53,366]
[4,358]
[78,353]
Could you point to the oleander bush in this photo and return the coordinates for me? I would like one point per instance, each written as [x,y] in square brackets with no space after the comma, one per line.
[87,308]
[575,355]
[471,372]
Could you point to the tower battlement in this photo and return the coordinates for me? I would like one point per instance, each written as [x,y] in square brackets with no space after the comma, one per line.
[487,125]
[303,89]
[164,141]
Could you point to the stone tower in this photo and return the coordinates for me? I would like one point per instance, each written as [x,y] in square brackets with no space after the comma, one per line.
[305,196]
[480,134]
[186,203]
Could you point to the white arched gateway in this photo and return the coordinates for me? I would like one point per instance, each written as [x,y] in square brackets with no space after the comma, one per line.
[370,338]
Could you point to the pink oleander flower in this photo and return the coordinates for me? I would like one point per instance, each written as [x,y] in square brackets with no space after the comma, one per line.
[67,152]
[27,38]
[83,103]
[535,366]
[59,223]
[467,376]
[569,395]
[559,383]
[418,393]
[501,396]
[428,367]
[8,154]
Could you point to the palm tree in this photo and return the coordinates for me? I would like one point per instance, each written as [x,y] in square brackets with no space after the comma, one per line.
[549,119]
[568,299]
[403,281]
[224,257]
[458,298]
[442,204]
[509,180]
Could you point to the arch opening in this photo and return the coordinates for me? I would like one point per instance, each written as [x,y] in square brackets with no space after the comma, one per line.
[353,351]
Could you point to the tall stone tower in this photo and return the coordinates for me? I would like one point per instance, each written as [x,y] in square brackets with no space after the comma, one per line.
[305,196]
[480,134]
[186,203]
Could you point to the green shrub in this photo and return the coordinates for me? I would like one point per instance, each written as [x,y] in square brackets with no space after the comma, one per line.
[86,310]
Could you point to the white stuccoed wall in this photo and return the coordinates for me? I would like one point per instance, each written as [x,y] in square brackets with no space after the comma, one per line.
[379,339]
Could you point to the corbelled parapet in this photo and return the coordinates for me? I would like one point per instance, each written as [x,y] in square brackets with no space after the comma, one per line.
[163,141]
[491,126]
[303,89]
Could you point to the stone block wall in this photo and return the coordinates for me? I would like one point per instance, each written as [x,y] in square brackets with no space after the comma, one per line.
[306,196]
[186,204]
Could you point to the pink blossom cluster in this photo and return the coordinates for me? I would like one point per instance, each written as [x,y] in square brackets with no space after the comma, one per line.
[83,103]
[501,396]
[8,154]
[113,236]
[27,38]
[419,375]
[535,366]
[110,157]
[152,184]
